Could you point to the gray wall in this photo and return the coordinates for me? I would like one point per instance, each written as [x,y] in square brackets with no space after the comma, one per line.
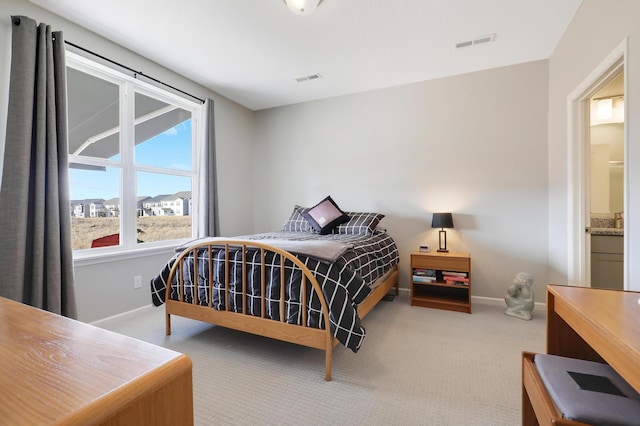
[106,288]
[474,144]
[597,29]
[489,146]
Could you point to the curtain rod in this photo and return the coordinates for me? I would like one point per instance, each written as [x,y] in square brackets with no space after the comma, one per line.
[135,73]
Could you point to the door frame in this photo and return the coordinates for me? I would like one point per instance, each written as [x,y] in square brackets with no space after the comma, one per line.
[578,123]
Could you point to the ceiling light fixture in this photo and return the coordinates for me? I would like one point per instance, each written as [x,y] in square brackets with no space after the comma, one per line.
[607,110]
[302,7]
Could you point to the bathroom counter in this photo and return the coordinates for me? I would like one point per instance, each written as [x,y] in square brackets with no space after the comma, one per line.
[606,231]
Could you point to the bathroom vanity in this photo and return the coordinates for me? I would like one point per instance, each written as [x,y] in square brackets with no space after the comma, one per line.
[607,258]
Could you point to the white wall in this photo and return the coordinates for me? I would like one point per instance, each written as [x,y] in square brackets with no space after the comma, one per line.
[597,29]
[106,289]
[474,144]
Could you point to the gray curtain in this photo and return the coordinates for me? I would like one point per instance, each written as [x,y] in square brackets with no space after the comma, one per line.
[36,253]
[212,222]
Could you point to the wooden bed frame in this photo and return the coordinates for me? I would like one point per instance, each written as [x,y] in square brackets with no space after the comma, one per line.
[280,330]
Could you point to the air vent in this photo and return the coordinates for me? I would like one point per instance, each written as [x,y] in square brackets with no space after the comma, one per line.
[464,44]
[308,77]
[478,40]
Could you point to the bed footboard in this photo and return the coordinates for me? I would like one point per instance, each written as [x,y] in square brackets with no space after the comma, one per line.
[189,302]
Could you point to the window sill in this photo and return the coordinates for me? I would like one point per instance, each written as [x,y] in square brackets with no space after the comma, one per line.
[107,255]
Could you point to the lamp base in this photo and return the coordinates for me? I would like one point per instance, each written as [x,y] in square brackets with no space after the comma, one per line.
[442,237]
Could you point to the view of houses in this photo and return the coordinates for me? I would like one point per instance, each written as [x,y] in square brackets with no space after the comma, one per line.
[178,204]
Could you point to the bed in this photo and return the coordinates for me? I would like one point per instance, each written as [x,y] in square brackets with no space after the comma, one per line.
[287,285]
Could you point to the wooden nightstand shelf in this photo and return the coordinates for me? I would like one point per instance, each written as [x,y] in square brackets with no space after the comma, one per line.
[441,293]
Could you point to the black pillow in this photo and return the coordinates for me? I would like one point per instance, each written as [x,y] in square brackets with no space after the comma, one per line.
[325,216]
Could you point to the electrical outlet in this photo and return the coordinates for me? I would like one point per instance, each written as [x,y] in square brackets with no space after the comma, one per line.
[137,281]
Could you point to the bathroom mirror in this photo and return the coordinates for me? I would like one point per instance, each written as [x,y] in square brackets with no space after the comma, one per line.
[607,149]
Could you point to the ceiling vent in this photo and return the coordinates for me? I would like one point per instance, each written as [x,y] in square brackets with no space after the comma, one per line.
[308,77]
[478,40]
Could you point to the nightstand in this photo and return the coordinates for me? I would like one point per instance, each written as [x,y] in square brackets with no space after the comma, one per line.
[441,280]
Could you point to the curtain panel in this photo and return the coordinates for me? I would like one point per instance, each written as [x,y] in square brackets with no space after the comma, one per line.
[36,262]
[211,227]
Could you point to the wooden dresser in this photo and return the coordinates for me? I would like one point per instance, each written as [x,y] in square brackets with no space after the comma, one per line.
[54,370]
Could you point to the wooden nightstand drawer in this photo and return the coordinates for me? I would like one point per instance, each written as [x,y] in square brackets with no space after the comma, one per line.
[429,261]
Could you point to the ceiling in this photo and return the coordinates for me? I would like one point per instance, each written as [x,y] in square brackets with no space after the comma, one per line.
[252,51]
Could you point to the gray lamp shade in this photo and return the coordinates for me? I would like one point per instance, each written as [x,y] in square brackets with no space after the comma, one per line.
[442,220]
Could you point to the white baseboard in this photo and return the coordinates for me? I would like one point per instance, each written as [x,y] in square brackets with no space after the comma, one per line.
[483,299]
[495,301]
[476,299]
[121,315]
[487,300]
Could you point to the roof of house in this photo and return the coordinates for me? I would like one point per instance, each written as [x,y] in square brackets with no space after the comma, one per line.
[156,198]
[87,201]
[182,194]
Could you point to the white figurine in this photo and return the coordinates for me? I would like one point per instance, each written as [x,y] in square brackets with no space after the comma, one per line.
[519,297]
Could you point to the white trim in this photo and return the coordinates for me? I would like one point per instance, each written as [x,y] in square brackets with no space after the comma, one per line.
[488,300]
[114,76]
[626,241]
[482,300]
[128,87]
[104,321]
[577,162]
[200,201]
[128,181]
[114,130]
[111,254]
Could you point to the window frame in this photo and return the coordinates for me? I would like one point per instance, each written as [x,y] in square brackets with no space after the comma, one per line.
[128,87]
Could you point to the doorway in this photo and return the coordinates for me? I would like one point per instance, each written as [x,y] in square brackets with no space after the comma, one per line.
[579,167]
[605,228]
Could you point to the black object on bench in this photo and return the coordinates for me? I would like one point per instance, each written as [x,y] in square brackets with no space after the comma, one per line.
[588,391]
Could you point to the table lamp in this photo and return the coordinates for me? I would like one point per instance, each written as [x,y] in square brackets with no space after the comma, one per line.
[442,220]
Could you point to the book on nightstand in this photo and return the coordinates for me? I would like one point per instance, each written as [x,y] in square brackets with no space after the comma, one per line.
[455,278]
[424,275]
[424,272]
[422,279]
[456,282]
[455,274]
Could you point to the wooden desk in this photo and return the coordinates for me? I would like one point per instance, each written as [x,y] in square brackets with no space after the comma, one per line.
[597,325]
[585,323]
[54,370]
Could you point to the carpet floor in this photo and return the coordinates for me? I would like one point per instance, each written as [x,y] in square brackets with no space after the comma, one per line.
[417,366]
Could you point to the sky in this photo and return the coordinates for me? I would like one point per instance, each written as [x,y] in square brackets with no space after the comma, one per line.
[171,149]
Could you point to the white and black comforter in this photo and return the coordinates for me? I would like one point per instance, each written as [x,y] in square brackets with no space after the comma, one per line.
[345,282]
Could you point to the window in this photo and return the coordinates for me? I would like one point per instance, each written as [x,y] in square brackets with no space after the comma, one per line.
[132,161]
